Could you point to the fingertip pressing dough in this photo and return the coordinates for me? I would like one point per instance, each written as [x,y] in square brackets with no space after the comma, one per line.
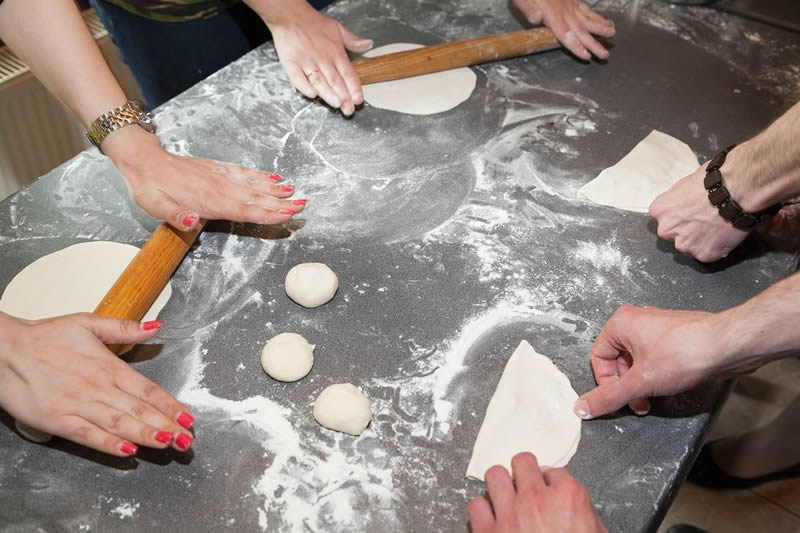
[530,411]
[287,357]
[311,284]
[426,94]
[342,407]
[651,168]
[31,433]
[71,280]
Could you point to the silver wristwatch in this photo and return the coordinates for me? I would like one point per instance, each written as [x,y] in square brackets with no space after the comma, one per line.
[133,112]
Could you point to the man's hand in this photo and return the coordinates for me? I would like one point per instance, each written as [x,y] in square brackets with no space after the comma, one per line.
[685,215]
[573,24]
[56,375]
[653,352]
[181,190]
[537,500]
[312,49]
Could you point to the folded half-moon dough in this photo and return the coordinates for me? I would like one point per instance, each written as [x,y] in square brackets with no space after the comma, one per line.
[652,167]
[530,411]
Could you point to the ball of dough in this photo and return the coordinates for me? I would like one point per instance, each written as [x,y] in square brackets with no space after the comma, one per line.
[311,284]
[31,433]
[287,357]
[342,407]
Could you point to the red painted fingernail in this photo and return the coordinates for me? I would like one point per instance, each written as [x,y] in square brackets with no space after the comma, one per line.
[128,448]
[153,324]
[186,420]
[287,188]
[164,436]
[299,202]
[287,212]
[189,220]
[275,177]
[184,441]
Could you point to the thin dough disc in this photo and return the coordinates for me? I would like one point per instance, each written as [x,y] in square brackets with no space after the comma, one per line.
[72,280]
[531,411]
[652,167]
[420,95]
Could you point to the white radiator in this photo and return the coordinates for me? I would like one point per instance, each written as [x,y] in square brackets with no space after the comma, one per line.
[37,133]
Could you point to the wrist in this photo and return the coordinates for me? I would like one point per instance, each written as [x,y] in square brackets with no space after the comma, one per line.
[276,13]
[753,182]
[745,342]
[128,146]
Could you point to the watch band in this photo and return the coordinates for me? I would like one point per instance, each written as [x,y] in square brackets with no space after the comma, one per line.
[132,112]
[720,198]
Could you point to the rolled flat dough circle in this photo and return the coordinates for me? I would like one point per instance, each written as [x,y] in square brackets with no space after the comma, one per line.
[287,357]
[72,280]
[311,284]
[342,407]
[420,95]
[530,411]
[32,433]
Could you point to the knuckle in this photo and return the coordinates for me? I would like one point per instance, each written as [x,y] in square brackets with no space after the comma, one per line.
[139,410]
[149,390]
[528,496]
[116,420]
[110,443]
[146,434]
[78,432]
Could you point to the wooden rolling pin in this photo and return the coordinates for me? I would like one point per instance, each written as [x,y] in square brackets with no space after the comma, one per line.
[447,56]
[146,276]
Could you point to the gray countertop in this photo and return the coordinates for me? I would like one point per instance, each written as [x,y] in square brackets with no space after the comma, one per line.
[454,236]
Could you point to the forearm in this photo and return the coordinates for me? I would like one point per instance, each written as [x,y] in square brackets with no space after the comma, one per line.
[764,328]
[765,170]
[278,12]
[52,39]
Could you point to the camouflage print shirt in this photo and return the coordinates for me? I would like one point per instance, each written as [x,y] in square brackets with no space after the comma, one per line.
[174,10]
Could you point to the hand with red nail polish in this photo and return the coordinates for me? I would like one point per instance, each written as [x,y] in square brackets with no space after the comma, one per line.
[57,375]
[182,190]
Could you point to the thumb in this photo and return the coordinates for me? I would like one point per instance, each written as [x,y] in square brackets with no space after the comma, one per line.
[608,397]
[353,42]
[114,331]
[167,209]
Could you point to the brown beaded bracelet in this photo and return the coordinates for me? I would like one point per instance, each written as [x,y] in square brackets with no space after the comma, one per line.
[720,198]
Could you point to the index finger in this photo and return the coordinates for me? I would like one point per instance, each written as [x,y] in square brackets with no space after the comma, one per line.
[351,79]
[607,350]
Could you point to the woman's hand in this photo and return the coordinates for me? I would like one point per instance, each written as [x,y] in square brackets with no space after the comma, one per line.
[311,47]
[181,190]
[56,375]
[573,24]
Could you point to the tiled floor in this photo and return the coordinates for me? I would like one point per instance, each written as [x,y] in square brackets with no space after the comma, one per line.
[774,507]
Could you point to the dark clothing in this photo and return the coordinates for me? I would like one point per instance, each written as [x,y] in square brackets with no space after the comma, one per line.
[166,58]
